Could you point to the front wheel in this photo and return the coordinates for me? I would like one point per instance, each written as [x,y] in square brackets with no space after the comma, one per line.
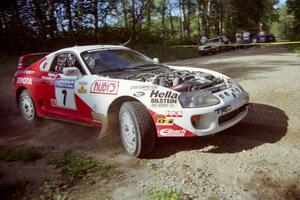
[27,107]
[138,132]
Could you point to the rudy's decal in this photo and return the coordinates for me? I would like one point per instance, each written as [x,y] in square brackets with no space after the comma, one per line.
[172,132]
[163,121]
[25,81]
[82,90]
[174,114]
[64,83]
[163,99]
[105,87]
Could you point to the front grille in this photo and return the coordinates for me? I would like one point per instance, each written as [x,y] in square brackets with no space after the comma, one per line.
[231,115]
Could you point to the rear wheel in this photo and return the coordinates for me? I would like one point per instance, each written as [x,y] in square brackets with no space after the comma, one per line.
[27,107]
[137,129]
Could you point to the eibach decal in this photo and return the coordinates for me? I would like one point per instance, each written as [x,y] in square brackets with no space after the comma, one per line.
[172,132]
[105,87]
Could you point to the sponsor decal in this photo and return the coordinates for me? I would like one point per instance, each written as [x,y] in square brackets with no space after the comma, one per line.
[82,90]
[139,94]
[50,77]
[172,132]
[143,87]
[82,83]
[25,81]
[64,83]
[174,114]
[163,99]
[105,87]
[73,72]
[223,110]
[25,72]
[53,102]
[163,121]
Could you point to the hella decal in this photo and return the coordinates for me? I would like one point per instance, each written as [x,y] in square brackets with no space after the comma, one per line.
[172,132]
[105,87]
[25,81]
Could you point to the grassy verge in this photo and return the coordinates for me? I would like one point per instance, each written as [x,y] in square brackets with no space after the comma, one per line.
[20,153]
[75,168]
[160,193]
[168,53]
[294,48]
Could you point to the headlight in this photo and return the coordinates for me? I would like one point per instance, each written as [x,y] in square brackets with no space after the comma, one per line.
[197,100]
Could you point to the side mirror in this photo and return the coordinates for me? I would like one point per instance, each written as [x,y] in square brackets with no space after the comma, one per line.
[156,60]
[71,71]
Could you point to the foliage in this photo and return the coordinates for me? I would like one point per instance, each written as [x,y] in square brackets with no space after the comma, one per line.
[283,28]
[160,193]
[20,153]
[294,9]
[73,164]
[54,191]
[50,24]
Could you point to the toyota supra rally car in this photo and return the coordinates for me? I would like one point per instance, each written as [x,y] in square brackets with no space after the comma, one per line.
[84,84]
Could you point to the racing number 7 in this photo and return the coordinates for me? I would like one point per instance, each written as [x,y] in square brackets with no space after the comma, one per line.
[64,92]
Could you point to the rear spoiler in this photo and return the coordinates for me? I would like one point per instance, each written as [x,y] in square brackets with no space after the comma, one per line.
[29,59]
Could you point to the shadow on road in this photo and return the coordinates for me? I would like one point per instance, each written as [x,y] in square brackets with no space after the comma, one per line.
[263,124]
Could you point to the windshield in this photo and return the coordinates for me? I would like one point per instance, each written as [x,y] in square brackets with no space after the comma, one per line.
[112,60]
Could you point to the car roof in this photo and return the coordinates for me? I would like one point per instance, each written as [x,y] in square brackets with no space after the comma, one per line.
[80,49]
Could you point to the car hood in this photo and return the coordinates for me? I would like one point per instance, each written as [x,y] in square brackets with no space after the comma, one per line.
[180,79]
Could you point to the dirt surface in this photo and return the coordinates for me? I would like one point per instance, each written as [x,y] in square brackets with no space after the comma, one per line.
[259,158]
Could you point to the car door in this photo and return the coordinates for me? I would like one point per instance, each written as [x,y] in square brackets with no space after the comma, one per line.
[63,101]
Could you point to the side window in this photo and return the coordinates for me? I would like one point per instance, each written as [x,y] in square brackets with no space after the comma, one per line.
[65,60]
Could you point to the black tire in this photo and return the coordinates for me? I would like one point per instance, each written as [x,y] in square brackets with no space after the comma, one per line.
[27,107]
[133,115]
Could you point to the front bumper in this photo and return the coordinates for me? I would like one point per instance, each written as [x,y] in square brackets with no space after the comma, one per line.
[233,107]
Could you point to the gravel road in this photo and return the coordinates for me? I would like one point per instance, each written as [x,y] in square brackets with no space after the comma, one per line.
[257,159]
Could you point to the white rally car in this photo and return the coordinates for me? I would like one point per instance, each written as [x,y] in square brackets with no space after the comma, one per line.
[85,84]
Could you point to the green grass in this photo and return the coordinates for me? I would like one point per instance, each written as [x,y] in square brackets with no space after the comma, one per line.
[74,164]
[20,153]
[160,193]
[168,53]
[294,48]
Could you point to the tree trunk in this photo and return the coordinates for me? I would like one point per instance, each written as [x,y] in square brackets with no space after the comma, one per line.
[52,20]
[163,13]
[69,15]
[125,14]
[96,17]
